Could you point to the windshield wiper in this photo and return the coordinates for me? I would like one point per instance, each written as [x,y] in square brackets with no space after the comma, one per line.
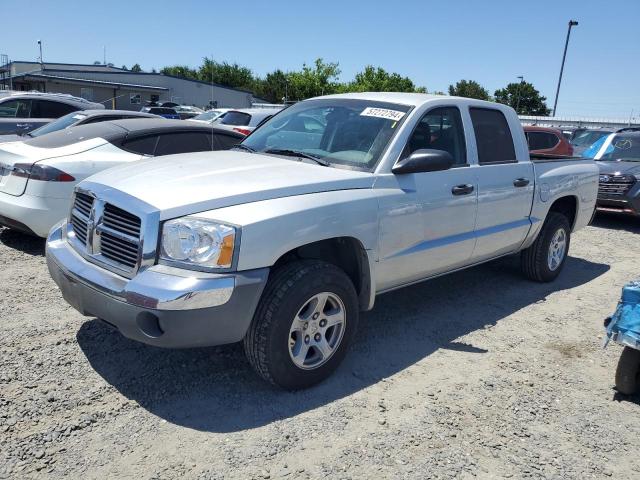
[296,153]
[243,147]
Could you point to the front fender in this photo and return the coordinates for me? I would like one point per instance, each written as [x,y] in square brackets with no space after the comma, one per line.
[271,228]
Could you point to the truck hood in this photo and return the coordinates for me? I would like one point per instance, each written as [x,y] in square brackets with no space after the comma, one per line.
[612,168]
[190,183]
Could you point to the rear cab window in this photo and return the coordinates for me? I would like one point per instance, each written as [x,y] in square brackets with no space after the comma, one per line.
[541,140]
[493,136]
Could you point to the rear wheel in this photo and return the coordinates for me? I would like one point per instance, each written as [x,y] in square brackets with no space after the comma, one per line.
[543,261]
[627,373]
[303,325]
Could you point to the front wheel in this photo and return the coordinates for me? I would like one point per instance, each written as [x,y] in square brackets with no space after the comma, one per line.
[303,325]
[543,261]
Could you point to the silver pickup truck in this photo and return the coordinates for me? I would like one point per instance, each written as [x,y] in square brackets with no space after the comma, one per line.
[281,242]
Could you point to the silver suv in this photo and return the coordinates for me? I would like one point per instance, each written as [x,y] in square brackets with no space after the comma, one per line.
[21,112]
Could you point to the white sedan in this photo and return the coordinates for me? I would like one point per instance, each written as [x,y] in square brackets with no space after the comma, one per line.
[37,176]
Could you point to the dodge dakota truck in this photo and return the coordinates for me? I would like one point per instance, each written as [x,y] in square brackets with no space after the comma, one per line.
[283,240]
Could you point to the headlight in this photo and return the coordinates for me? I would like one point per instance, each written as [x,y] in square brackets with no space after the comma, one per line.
[194,243]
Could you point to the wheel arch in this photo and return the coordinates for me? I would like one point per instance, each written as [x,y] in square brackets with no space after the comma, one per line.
[348,254]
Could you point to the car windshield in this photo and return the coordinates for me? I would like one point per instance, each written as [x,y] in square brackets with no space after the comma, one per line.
[59,124]
[588,137]
[343,132]
[623,147]
[208,116]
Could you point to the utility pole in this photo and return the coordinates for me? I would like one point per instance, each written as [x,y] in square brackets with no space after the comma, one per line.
[572,23]
[41,60]
[518,98]
[104,54]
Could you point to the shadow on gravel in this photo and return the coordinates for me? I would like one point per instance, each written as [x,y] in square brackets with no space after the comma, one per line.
[615,221]
[23,242]
[214,389]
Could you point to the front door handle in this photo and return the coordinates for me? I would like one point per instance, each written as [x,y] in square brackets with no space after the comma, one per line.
[464,189]
[23,125]
[521,182]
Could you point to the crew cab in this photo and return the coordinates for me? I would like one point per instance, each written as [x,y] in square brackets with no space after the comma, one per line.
[282,241]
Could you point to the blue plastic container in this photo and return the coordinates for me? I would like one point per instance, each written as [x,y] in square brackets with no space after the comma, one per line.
[624,327]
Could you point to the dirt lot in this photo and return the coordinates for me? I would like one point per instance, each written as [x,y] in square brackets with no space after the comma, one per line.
[477,374]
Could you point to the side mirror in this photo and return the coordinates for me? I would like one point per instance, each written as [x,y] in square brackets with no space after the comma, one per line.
[424,160]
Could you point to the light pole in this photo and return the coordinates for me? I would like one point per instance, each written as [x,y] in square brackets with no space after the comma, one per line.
[41,60]
[518,98]
[572,23]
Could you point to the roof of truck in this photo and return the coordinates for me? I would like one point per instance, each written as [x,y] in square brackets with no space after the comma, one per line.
[412,99]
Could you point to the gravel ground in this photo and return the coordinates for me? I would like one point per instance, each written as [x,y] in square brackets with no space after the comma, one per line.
[476,374]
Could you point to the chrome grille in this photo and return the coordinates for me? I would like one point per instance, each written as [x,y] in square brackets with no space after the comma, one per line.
[614,185]
[120,236]
[106,234]
[80,213]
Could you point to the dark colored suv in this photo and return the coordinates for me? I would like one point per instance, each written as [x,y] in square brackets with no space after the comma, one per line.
[22,112]
[618,156]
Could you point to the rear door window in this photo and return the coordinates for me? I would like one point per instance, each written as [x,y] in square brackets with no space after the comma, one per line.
[493,136]
[238,119]
[183,142]
[541,140]
[15,109]
[49,109]
[141,145]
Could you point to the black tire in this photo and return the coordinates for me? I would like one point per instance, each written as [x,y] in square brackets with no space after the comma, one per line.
[266,344]
[627,373]
[534,259]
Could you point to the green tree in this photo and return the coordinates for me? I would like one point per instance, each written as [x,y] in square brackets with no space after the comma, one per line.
[524,98]
[182,71]
[136,68]
[319,79]
[469,89]
[230,75]
[123,67]
[373,79]
[273,87]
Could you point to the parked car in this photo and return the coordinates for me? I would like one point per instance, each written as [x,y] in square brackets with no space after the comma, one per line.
[210,116]
[186,111]
[547,141]
[164,112]
[618,158]
[281,242]
[37,176]
[82,117]
[245,120]
[584,138]
[23,112]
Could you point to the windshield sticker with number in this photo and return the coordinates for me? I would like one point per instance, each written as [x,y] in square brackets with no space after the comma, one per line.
[393,115]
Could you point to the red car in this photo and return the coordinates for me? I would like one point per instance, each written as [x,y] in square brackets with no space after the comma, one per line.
[547,141]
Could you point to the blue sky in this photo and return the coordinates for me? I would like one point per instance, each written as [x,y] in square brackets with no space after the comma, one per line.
[433,42]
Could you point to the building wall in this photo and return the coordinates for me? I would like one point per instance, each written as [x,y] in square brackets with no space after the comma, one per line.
[181,91]
[187,92]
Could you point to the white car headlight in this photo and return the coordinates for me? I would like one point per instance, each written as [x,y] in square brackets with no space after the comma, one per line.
[194,243]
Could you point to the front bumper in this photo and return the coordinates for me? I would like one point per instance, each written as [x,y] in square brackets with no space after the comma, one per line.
[629,203]
[32,214]
[161,306]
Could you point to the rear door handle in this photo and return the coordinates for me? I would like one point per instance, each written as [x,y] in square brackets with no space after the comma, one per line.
[23,125]
[521,182]
[464,189]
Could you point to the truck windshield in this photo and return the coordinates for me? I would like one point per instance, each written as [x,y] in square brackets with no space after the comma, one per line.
[343,132]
